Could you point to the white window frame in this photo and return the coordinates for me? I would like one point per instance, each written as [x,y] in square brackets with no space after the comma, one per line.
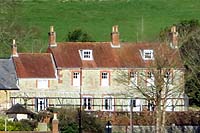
[168,77]
[105,78]
[87,102]
[86,54]
[133,78]
[137,106]
[76,78]
[108,103]
[150,79]
[42,84]
[169,105]
[42,104]
[150,106]
[148,54]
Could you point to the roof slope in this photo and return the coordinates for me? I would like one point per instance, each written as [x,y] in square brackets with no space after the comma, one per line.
[8,78]
[18,109]
[34,65]
[66,55]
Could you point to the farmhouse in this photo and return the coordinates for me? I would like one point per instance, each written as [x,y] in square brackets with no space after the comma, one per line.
[100,76]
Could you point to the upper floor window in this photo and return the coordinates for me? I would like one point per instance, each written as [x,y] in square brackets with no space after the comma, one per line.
[150,79]
[168,77]
[149,74]
[42,84]
[76,79]
[167,74]
[105,79]
[147,54]
[86,54]
[133,78]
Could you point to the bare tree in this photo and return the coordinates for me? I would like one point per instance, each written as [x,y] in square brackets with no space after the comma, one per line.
[27,38]
[160,81]
[189,42]
[190,53]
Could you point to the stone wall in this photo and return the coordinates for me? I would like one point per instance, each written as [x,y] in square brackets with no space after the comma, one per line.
[90,87]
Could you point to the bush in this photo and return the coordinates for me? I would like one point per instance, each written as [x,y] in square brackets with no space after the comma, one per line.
[69,121]
[78,35]
[23,125]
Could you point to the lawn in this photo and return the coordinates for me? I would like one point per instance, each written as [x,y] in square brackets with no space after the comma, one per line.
[138,20]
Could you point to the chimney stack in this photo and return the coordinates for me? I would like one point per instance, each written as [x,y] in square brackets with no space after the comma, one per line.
[174,37]
[52,37]
[14,49]
[115,37]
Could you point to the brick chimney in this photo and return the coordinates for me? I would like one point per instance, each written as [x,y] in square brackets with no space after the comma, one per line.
[174,37]
[115,37]
[55,123]
[14,49]
[52,37]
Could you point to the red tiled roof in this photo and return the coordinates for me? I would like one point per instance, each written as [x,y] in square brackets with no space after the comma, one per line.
[34,65]
[127,56]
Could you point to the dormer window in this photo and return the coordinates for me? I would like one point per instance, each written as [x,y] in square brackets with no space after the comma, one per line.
[147,54]
[86,54]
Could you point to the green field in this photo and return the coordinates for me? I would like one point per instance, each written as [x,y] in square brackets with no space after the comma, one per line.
[137,19]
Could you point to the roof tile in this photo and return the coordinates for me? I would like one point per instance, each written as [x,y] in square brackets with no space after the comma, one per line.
[34,65]
[128,55]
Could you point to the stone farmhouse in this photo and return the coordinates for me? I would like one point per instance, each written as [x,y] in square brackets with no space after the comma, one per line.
[71,74]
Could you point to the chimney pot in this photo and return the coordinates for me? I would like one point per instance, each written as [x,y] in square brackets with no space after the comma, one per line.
[13,41]
[115,28]
[14,49]
[173,29]
[51,29]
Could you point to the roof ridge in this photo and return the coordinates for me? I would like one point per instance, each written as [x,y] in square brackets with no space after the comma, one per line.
[34,53]
[83,42]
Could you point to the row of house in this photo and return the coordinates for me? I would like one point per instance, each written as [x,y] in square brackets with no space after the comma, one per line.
[99,76]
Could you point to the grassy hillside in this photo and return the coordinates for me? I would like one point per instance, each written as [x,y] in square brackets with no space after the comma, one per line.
[142,18]
[138,20]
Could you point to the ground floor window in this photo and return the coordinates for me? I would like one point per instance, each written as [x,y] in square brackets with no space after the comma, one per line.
[150,106]
[87,102]
[41,104]
[135,103]
[169,105]
[108,103]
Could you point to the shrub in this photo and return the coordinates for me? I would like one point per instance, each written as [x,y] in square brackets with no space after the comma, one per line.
[23,125]
[69,121]
[78,35]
